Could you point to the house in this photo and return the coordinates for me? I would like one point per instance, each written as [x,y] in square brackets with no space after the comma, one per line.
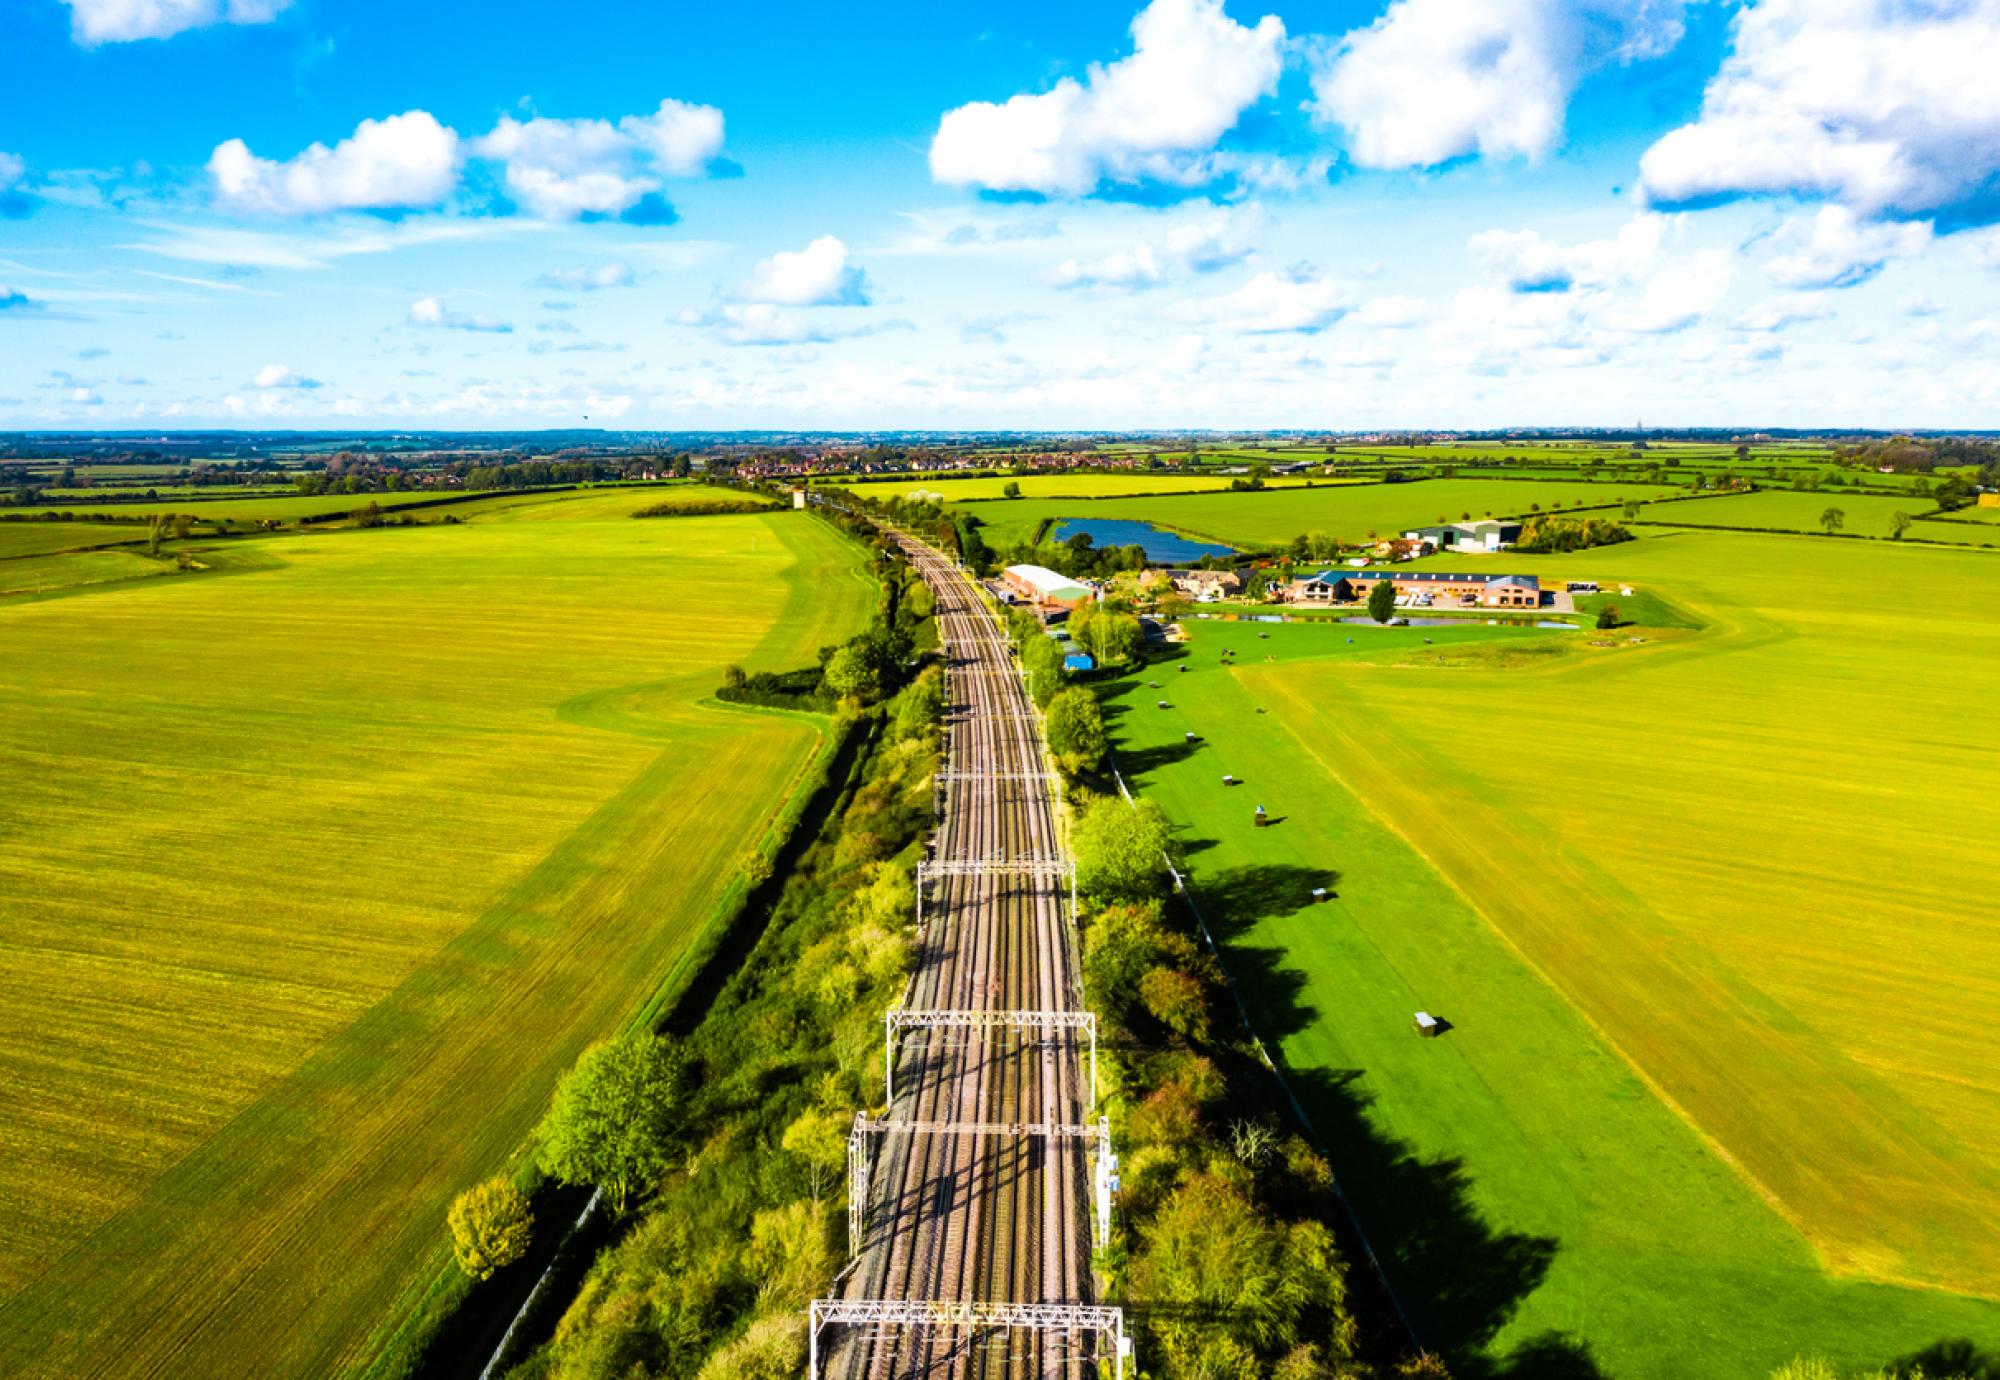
[1487,534]
[1431,586]
[1040,585]
[1204,586]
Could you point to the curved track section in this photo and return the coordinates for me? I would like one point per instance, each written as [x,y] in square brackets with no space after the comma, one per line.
[973,1196]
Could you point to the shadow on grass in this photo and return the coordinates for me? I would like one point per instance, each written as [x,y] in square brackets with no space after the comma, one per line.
[1955,1359]
[1458,1278]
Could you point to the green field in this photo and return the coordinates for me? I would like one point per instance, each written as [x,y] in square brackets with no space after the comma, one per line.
[40,538]
[317,875]
[1349,511]
[1699,907]
[1035,486]
[291,506]
[1866,515]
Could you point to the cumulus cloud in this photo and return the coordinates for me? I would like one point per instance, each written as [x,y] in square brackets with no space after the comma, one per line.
[1392,313]
[279,376]
[1207,244]
[611,275]
[1125,270]
[1530,262]
[555,169]
[816,276]
[1888,106]
[766,323]
[1638,281]
[570,169]
[403,162]
[121,21]
[1836,248]
[1296,300]
[1154,116]
[1433,80]
[429,311]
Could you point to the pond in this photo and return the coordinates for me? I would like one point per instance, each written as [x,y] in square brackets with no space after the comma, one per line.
[1162,546]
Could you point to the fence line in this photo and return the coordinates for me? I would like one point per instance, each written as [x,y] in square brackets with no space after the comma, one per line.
[1186,892]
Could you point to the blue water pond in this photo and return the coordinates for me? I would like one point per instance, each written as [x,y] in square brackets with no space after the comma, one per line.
[1162,546]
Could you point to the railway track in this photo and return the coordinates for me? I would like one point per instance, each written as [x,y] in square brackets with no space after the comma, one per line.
[974,1195]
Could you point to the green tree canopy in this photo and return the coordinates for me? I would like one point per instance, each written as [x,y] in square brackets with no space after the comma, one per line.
[491,1226]
[1833,519]
[1382,601]
[1118,848]
[615,1114]
[1075,727]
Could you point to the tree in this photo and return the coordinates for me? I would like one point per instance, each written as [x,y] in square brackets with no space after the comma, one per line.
[614,1116]
[1832,520]
[1118,848]
[848,673]
[1899,523]
[491,1226]
[1075,728]
[1213,1266]
[819,1140]
[1631,509]
[1607,617]
[1042,659]
[1177,1001]
[1113,638]
[1010,490]
[1382,601]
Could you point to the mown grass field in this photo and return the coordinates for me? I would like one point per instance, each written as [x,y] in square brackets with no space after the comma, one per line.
[1701,914]
[1066,485]
[1866,515]
[41,538]
[1350,511]
[316,877]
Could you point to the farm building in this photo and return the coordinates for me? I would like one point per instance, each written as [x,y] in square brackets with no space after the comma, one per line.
[1487,534]
[1439,586]
[1204,585]
[1040,585]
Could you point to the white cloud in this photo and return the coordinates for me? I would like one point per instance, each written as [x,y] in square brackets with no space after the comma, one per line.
[1778,313]
[406,161]
[1297,300]
[565,169]
[1433,80]
[1127,270]
[1532,263]
[816,276]
[121,21]
[609,275]
[12,169]
[1392,313]
[1153,116]
[1217,241]
[763,323]
[315,248]
[1836,248]
[13,299]
[1889,106]
[279,376]
[1676,297]
[429,311]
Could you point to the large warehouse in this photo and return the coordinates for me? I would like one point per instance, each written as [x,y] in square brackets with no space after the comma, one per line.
[1040,585]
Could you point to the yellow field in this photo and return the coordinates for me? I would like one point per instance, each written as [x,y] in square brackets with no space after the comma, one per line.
[316,877]
[1750,856]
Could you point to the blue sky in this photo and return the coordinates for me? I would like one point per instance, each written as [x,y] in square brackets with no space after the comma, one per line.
[1184,213]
